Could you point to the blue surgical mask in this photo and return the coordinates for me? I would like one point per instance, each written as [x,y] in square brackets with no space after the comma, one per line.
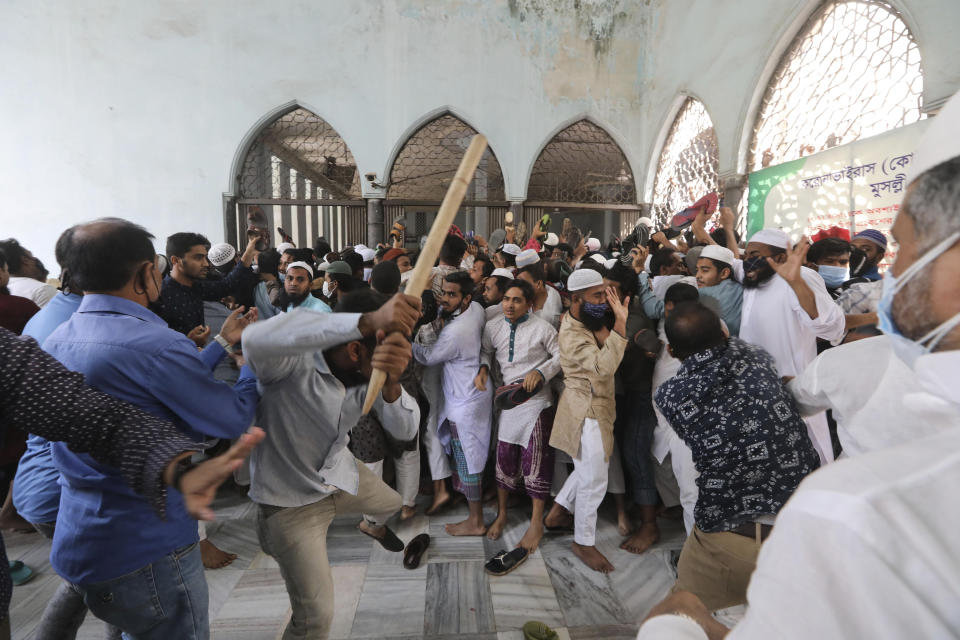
[595,310]
[833,276]
[909,350]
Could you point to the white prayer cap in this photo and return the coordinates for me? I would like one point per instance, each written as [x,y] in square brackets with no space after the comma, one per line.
[584,279]
[718,253]
[359,247]
[503,273]
[598,258]
[367,254]
[221,254]
[283,246]
[527,256]
[647,222]
[303,265]
[323,266]
[551,240]
[941,142]
[512,249]
[593,244]
[772,237]
[609,263]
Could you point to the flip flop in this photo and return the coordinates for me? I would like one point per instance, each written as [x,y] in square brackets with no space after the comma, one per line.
[20,573]
[505,562]
[538,631]
[415,550]
[389,541]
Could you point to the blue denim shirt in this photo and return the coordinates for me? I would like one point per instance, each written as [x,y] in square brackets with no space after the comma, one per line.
[36,487]
[104,530]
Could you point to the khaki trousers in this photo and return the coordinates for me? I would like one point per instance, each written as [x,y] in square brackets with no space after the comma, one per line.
[716,567]
[297,538]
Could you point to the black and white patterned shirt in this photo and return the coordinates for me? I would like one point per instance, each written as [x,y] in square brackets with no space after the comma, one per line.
[748,440]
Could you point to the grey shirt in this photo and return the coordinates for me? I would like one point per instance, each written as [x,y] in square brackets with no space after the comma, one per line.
[307,412]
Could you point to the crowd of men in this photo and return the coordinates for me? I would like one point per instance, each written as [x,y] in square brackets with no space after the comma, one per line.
[685,371]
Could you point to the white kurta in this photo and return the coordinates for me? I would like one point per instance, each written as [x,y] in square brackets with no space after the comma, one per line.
[876,398]
[458,350]
[520,349]
[773,319]
[552,310]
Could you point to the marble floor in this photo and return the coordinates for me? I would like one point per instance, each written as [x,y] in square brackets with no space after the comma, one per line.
[448,596]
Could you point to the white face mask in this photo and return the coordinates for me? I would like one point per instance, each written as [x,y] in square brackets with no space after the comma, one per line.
[327,289]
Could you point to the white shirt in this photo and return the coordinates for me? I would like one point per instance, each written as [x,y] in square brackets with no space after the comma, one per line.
[534,347]
[876,398]
[39,292]
[458,350]
[552,310]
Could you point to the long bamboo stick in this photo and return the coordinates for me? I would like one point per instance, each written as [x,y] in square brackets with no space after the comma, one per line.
[438,232]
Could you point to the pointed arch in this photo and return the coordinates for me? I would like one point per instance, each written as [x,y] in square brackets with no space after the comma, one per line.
[852,70]
[689,160]
[581,164]
[424,164]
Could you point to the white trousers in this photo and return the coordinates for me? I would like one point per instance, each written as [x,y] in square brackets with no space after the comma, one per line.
[584,489]
[436,456]
[408,476]
[686,474]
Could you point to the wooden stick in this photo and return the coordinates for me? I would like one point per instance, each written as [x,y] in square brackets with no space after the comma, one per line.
[438,232]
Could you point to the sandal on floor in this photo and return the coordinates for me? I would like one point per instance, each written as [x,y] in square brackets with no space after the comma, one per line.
[389,541]
[538,631]
[20,573]
[506,561]
[415,550]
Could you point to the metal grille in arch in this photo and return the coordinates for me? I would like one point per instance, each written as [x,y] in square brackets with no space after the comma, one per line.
[853,71]
[304,142]
[689,162]
[429,159]
[582,164]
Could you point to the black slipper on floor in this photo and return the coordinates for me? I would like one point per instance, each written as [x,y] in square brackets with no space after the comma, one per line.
[415,550]
[505,562]
[389,541]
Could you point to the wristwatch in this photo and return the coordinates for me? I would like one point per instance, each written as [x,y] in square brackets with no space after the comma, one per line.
[223,343]
[185,465]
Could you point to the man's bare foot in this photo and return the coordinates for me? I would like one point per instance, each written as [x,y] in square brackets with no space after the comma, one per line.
[592,558]
[495,530]
[642,539]
[624,526]
[559,518]
[440,500]
[466,528]
[16,523]
[531,539]
[407,512]
[214,558]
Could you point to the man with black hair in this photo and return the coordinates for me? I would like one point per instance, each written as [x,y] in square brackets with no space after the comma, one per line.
[266,295]
[830,257]
[592,340]
[124,349]
[547,303]
[296,289]
[493,289]
[463,420]
[525,348]
[27,274]
[385,278]
[667,262]
[715,280]
[749,445]
[481,269]
[15,311]
[451,254]
[316,373]
[187,286]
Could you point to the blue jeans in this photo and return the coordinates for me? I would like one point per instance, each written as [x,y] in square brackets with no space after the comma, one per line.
[164,600]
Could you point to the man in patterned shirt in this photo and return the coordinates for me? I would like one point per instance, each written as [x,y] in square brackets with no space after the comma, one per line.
[749,444]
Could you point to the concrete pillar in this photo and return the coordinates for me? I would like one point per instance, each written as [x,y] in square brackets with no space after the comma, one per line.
[470,219]
[611,226]
[375,231]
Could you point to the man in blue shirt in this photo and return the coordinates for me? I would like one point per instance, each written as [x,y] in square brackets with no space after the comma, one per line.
[137,571]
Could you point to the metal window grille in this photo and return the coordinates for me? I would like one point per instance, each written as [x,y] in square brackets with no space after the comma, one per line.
[582,164]
[853,71]
[428,161]
[307,147]
[689,163]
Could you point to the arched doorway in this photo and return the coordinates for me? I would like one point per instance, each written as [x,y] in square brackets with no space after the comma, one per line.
[300,173]
[421,174]
[582,175]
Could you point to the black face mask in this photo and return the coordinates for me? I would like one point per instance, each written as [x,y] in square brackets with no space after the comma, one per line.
[764,273]
[858,262]
[594,323]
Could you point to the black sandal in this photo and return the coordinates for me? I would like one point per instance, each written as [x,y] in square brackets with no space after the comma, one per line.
[389,541]
[415,550]
[506,561]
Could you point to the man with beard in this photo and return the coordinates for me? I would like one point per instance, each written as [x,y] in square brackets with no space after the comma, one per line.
[525,347]
[314,377]
[786,307]
[186,287]
[463,419]
[546,302]
[592,341]
[867,250]
[493,289]
[481,269]
[296,289]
